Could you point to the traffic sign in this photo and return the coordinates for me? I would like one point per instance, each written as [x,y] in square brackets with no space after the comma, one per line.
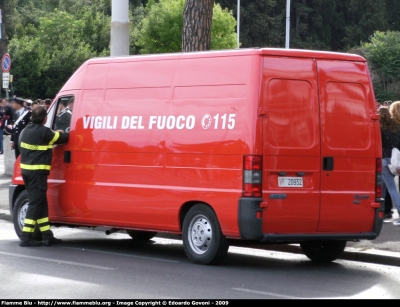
[6,79]
[6,63]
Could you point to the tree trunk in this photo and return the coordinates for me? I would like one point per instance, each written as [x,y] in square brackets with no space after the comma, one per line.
[197,20]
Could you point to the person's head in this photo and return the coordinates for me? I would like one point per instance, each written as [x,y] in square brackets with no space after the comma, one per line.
[3,102]
[71,103]
[395,112]
[17,103]
[47,103]
[39,115]
[28,103]
[385,119]
[63,104]
[34,105]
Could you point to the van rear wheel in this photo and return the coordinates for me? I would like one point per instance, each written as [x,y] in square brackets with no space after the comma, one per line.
[203,240]
[19,213]
[141,235]
[323,251]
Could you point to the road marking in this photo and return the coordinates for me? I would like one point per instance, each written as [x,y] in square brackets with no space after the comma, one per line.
[267,293]
[59,261]
[118,254]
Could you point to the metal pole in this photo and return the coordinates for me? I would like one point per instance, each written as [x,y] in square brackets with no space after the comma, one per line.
[119,27]
[238,24]
[287,43]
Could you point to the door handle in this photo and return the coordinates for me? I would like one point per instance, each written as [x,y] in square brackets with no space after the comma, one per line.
[67,156]
[328,164]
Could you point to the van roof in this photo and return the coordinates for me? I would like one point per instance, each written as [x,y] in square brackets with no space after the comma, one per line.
[263,51]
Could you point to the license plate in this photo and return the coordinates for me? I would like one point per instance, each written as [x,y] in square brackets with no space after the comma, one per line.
[290,182]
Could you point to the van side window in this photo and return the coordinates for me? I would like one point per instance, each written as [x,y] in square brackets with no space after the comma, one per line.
[62,120]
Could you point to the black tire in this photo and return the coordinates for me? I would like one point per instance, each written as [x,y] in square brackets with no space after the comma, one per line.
[208,245]
[323,251]
[141,235]
[20,203]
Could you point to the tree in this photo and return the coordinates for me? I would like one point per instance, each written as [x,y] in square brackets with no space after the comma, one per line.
[197,21]
[161,30]
[383,54]
[364,17]
[45,56]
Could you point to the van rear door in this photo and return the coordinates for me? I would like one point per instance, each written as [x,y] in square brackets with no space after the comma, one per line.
[291,146]
[348,147]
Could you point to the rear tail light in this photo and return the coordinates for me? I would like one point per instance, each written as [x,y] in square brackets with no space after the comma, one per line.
[379,181]
[252,176]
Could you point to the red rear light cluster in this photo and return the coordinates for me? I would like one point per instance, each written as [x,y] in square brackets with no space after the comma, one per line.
[252,176]
[379,180]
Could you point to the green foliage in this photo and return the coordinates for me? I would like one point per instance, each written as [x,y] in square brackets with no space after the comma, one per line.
[47,51]
[161,29]
[383,54]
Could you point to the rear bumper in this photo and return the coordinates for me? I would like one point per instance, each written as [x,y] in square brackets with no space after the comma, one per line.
[250,227]
[11,193]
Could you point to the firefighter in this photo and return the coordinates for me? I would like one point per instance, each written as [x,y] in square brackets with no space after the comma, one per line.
[36,146]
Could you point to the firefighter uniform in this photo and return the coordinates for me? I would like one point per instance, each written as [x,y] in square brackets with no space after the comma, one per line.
[36,146]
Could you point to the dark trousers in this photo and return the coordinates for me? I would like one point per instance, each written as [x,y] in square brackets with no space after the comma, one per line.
[36,185]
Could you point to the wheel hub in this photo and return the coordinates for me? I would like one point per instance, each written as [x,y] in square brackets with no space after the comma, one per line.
[200,234]
[22,215]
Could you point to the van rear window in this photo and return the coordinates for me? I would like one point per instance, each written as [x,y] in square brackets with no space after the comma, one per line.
[291,108]
[346,115]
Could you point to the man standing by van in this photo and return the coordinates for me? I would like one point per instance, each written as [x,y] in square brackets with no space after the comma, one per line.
[22,119]
[36,145]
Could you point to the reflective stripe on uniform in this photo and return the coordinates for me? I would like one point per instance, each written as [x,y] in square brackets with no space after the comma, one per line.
[29,222]
[36,167]
[36,147]
[29,229]
[45,228]
[43,220]
[55,138]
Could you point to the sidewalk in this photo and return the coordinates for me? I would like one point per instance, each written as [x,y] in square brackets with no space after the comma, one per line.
[386,247]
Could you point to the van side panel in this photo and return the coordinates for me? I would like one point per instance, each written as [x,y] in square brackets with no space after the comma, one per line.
[182,128]
[348,139]
[128,176]
[222,92]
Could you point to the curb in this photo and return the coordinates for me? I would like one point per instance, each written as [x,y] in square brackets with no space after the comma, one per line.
[374,256]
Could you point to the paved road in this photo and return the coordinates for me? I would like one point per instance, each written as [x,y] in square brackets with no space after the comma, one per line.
[90,265]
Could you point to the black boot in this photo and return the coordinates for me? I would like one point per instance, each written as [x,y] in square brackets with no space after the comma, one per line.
[27,241]
[32,243]
[49,239]
[52,241]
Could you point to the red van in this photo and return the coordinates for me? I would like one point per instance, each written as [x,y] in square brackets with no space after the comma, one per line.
[265,145]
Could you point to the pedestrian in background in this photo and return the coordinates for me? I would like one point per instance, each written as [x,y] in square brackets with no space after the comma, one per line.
[47,103]
[6,116]
[390,134]
[34,105]
[23,118]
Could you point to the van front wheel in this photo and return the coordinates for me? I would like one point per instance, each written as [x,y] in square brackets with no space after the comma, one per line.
[203,240]
[323,251]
